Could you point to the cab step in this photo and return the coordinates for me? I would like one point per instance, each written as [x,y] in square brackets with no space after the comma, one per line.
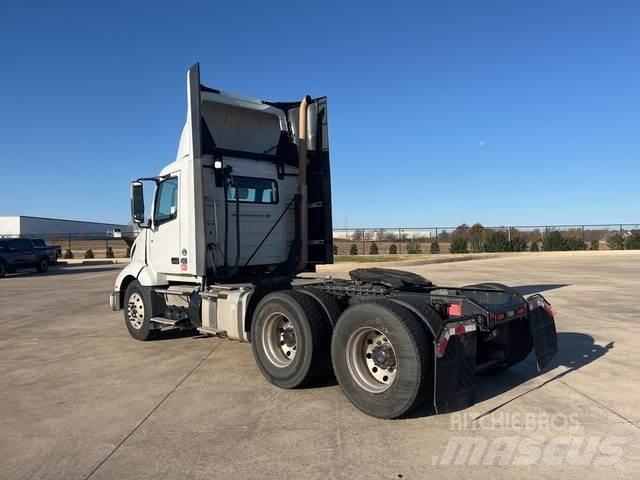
[170,322]
[211,331]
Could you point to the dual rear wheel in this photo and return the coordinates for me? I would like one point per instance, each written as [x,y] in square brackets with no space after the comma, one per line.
[380,351]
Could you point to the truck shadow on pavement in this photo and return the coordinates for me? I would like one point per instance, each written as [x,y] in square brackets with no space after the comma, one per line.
[576,350]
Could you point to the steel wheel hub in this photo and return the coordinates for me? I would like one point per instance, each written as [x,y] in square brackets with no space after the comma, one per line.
[371,359]
[279,339]
[135,311]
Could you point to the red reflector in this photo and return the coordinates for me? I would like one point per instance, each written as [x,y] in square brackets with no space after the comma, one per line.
[442,347]
[460,330]
[520,311]
[499,316]
[455,310]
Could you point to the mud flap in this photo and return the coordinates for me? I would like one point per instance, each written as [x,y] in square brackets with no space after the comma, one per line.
[454,380]
[543,330]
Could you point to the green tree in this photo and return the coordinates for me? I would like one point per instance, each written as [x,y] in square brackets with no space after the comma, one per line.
[518,244]
[354,249]
[373,249]
[109,253]
[89,254]
[393,249]
[615,242]
[574,243]
[497,241]
[67,254]
[632,242]
[554,241]
[595,245]
[414,248]
[335,249]
[459,245]
[435,247]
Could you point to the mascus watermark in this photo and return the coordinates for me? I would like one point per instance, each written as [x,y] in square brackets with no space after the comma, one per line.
[538,438]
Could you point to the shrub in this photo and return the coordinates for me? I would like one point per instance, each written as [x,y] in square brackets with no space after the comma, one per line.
[518,244]
[459,245]
[335,249]
[554,241]
[414,248]
[632,242]
[595,245]
[373,249]
[615,242]
[393,250]
[574,243]
[67,254]
[354,249]
[109,253]
[89,254]
[534,246]
[435,247]
[496,242]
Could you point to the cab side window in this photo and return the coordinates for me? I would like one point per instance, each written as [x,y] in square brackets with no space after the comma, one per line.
[167,200]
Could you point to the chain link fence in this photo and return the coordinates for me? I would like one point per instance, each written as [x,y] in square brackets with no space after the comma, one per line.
[478,238]
[402,240]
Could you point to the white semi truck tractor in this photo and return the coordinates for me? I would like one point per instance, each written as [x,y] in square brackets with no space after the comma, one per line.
[246,207]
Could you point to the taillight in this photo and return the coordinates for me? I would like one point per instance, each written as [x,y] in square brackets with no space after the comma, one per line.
[454,309]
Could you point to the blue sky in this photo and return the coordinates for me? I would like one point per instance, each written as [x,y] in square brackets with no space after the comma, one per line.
[501,112]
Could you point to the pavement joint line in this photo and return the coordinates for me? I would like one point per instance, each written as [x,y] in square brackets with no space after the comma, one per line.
[601,405]
[520,395]
[154,409]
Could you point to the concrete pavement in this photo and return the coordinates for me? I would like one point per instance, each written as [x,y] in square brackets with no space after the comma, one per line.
[80,399]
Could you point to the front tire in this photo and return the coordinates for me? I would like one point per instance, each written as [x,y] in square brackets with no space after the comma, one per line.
[43,265]
[380,353]
[137,312]
[290,337]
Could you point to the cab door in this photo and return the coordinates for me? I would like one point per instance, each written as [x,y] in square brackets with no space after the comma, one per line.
[164,234]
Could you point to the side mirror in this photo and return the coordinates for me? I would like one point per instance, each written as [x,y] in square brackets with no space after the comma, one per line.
[137,203]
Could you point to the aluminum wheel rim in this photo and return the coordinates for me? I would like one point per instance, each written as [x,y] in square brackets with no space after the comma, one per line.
[135,311]
[279,340]
[371,359]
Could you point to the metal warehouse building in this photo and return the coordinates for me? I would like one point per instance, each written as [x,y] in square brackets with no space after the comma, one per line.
[29,226]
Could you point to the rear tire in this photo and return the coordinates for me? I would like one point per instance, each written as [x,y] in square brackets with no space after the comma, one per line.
[43,265]
[381,358]
[137,312]
[290,338]
[3,269]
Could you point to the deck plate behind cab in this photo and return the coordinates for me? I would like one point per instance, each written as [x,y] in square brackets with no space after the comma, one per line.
[389,277]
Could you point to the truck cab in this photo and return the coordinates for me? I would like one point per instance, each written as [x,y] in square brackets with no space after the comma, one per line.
[247,199]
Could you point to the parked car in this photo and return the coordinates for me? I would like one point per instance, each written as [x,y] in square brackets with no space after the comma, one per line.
[20,253]
[39,242]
